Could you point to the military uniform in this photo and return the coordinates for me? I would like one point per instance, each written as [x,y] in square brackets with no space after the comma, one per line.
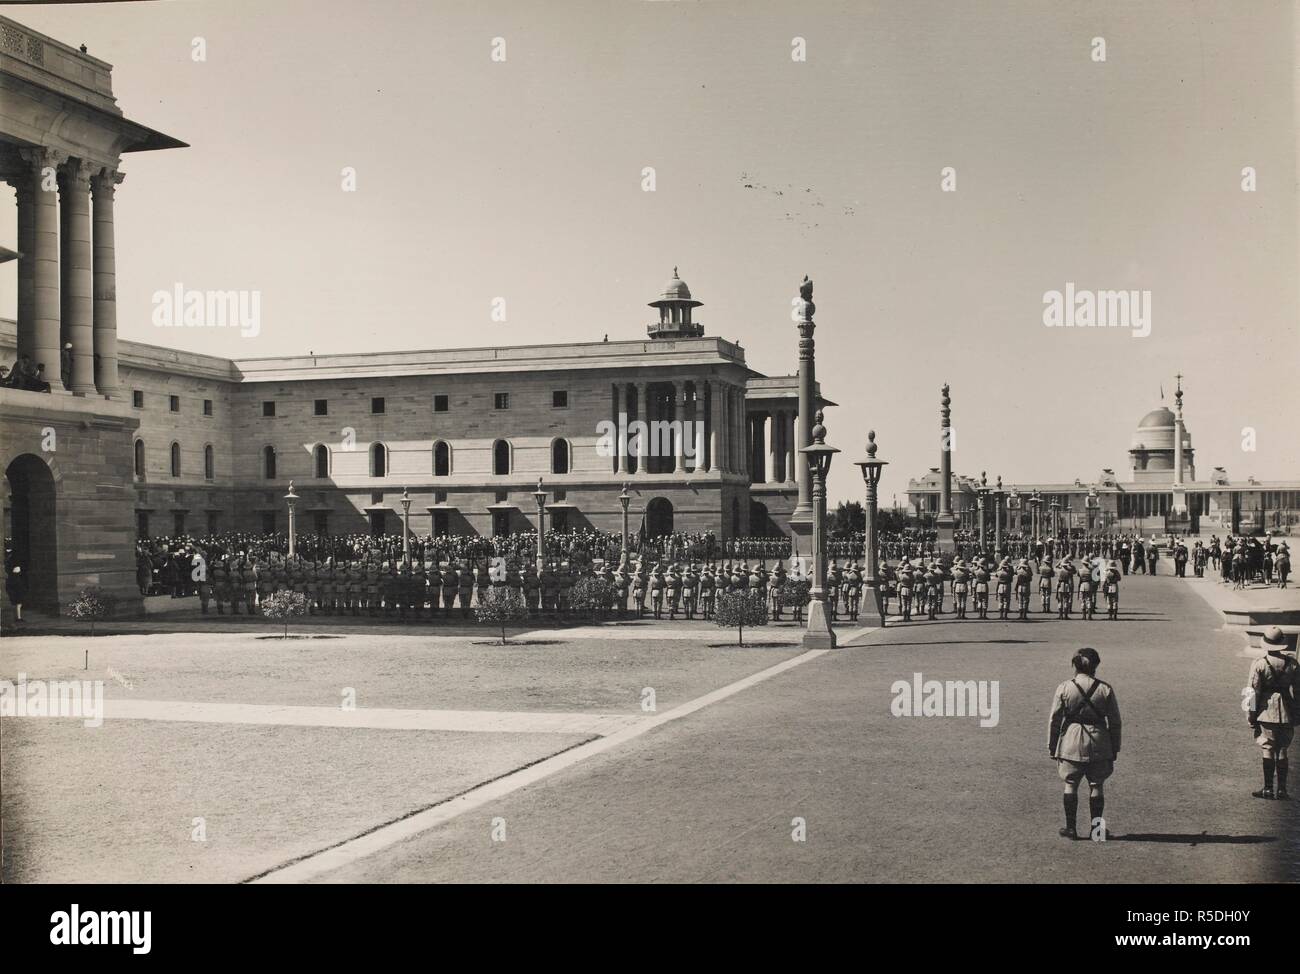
[1110,589]
[1084,738]
[981,590]
[1064,589]
[905,585]
[1024,577]
[960,587]
[1272,714]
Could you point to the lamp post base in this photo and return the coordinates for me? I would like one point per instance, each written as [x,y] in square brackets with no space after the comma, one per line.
[871,610]
[819,634]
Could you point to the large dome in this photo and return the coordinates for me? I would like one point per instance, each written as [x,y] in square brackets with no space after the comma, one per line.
[1157,417]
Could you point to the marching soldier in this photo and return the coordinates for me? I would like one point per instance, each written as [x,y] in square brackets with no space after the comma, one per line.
[982,588]
[1110,588]
[1045,576]
[639,583]
[1064,589]
[657,590]
[774,586]
[933,590]
[853,591]
[707,583]
[1024,577]
[905,582]
[1087,592]
[673,589]
[690,590]
[1084,738]
[1271,710]
[1004,576]
[960,586]
[834,581]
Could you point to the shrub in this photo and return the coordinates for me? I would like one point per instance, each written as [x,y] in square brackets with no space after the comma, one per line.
[740,609]
[284,604]
[592,594]
[94,605]
[795,592]
[501,605]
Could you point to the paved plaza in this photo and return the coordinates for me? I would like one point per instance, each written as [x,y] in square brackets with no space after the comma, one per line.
[631,753]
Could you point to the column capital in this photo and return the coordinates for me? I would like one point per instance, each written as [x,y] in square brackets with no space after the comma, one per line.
[76,173]
[39,157]
[106,180]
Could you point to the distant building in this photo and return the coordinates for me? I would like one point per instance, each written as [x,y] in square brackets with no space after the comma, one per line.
[1148,501]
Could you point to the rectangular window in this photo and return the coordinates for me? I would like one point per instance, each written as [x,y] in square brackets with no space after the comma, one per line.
[137,398]
[560,399]
[207,407]
[178,522]
[268,408]
[376,497]
[322,407]
[501,497]
[440,497]
[377,404]
[501,400]
[439,404]
[174,404]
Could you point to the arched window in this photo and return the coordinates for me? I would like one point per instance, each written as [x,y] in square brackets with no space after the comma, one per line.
[442,459]
[378,461]
[268,463]
[321,459]
[501,458]
[560,456]
[139,459]
[209,463]
[176,459]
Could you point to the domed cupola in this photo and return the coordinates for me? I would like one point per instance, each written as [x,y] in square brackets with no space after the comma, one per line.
[675,304]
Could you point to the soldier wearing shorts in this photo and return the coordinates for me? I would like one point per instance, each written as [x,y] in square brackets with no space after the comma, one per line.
[1084,738]
[1271,709]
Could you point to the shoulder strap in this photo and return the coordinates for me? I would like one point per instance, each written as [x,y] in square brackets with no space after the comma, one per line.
[1087,698]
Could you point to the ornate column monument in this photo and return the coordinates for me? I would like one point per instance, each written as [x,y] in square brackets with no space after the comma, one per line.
[819,634]
[801,518]
[945,523]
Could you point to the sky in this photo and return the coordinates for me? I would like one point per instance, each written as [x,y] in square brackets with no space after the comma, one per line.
[522,179]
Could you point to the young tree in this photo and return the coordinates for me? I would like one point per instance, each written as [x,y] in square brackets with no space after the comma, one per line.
[284,604]
[740,609]
[795,594]
[94,605]
[593,594]
[502,605]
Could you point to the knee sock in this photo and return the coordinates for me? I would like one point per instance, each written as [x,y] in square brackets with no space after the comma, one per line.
[1096,805]
[1268,772]
[1071,808]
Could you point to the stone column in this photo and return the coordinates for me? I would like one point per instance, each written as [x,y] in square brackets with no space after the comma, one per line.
[773,457]
[78,292]
[26,327]
[679,414]
[102,186]
[715,424]
[801,516]
[643,414]
[620,426]
[791,457]
[44,163]
[742,441]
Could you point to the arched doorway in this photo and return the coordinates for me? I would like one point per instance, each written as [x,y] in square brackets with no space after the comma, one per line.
[32,529]
[659,517]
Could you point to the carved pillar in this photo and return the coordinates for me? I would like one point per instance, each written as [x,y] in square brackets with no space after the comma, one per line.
[77,303]
[679,414]
[773,455]
[26,325]
[714,403]
[43,165]
[620,426]
[103,186]
[643,414]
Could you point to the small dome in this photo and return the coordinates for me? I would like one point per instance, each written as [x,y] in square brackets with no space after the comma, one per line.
[1157,417]
[675,289]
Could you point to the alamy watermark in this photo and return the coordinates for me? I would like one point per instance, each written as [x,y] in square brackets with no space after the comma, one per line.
[920,697]
[53,698]
[1098,309]
[656,438]
[190,308]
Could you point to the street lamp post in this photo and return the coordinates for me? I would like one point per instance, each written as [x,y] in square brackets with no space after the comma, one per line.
[539,495]
[406,528]
[819,634]
[292,499]
[1036,515]
[1092,503]
[1054,523]
[1014,504]
[624,498]
[871,607]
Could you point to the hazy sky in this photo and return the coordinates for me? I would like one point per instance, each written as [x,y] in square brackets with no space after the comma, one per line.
[478,179]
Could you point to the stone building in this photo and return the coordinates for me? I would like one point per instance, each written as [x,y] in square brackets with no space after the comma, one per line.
[1161,493]
[137,439]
